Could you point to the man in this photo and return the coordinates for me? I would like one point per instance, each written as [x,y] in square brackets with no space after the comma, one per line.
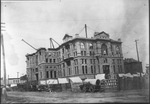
[3,94]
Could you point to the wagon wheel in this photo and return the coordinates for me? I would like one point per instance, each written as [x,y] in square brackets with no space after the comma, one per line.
[84,89]
[92,89]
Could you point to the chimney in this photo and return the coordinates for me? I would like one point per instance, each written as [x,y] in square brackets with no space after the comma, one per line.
[119,40]
[76,35]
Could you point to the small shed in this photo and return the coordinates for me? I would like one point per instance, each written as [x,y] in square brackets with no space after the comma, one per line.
[75,83]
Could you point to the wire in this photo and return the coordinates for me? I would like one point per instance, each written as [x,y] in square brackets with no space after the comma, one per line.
[128,46]
[69,20]
[81,30]
[91,28]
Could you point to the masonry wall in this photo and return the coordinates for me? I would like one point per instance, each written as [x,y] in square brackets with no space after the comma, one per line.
[89,59]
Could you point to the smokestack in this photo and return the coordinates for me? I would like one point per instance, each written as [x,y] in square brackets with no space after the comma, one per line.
[119,40]
[76,35]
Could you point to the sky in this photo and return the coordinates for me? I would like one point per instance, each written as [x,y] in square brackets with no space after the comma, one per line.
[37,21]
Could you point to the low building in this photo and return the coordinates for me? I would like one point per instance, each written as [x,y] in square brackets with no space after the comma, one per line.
[132,66]
[13,81]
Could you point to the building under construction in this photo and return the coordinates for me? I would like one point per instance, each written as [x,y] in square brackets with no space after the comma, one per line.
[78,56]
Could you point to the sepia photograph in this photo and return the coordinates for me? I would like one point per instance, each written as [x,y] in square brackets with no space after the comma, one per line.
[74,51]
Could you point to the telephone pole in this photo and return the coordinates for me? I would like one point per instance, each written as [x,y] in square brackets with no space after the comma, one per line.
[137,50]
[138,61]
[17,74]
[3,53]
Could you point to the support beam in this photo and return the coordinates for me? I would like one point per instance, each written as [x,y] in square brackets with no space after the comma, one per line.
[3,52]
[29,44]
[137,50]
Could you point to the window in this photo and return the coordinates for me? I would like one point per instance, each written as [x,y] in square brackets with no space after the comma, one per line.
[50,60]
[63,50]
[113,61]
[90,53]
[104,49]
[40,52]
[46,60]
[82,61]
[90,46]
[77,70]
[93,61]
[114,68]
[51,73]
[41,74]
[82,45]
[76,61]
[99,68]
[86,71]
[53,60]
[84,53]
[105,60]
[47,74]
[85,61]
[92,70]
[36,69]
[54,74]
[112,49]
[83,69]
[74,46]
[119,68]
[117,50]
[81,53]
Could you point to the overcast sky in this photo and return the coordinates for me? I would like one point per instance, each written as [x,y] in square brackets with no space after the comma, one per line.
[36,22]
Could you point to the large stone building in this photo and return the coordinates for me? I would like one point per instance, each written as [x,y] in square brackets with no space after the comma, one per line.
[78,56]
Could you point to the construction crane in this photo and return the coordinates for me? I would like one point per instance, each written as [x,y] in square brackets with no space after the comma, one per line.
[51,43]
[29,44]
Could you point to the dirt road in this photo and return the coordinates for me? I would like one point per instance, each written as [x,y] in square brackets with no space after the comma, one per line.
[70,97]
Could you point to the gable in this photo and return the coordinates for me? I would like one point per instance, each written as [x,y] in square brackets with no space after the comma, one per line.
[66,36]
[102,35]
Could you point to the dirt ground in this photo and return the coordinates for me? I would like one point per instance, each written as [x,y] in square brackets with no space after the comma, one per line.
[70,97]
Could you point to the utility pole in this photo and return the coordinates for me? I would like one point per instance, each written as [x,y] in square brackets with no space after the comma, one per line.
[86,30]
[8,79]
[138,61]
[3,52]
[17,74]
[137,50]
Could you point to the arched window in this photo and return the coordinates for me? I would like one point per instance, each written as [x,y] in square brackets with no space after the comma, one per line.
[104,49]
[117,50]
[74,46]
[90,46]
[82,45]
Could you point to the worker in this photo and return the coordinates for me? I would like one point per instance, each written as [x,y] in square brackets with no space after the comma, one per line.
[3,94]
